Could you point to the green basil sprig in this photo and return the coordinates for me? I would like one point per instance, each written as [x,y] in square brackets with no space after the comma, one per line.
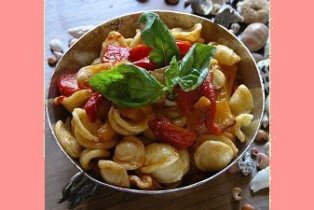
[192,70]
[128,86]
[157,36]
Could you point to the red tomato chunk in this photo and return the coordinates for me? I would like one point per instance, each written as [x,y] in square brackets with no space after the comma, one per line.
[67,84]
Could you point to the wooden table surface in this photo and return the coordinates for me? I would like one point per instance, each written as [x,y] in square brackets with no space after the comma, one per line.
[217,194]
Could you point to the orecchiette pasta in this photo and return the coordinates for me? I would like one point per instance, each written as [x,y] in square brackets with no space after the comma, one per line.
[87,155]
[130,153]
[136,40]
[113,173]
[75,100]
[212,156]
[219,79]
[192,35]
[242,120]
[175,171]
[67,141]
[85,132]
[241,101]
[144,182]
[226,56]
[127,127]
[158,156]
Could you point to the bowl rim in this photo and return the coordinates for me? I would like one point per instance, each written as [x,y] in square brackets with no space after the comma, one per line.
[163,191]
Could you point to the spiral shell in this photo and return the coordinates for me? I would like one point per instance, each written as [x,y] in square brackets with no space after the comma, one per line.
[254,10]
[254,36]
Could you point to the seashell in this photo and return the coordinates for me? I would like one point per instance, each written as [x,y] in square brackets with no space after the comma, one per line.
[202,7]
[172,1]
[263,67]
[52,60]
[254,11]
[78,31]
[227,15]
[235,27]
[263,160]
[254,36]
[247,206]
[266,148]
[260,180]
[246,164]
[261,137]
[58,55]
[267,104]
[187,2]
[72,41]
[267,49]
[220,2]
[265,120]
[215,9]
[56,45]
[257,57]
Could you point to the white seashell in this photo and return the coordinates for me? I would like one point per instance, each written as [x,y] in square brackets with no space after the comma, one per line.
[267,49]
[254,11]
[220,2]
[78,31]
[235,27]
[257,57]
[260,180]
[267,104]
[254,36]
[265,120]
[215,9]
[72,42]
[58,55]
[267,147]
[263,67]
[202,7]
[56,45]
[246,164]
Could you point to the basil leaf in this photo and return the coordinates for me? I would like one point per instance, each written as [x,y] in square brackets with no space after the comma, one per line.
[194,66]
[128,86]
[157,36]
[171,74]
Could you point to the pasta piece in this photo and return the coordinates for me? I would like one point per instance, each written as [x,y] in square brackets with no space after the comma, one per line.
[158,156]
[241,101]
[106,133]
[113,173]
[86,72]
[75,100]
[218,79]
[192,35]
[136,40]
[174,172]
[128,127]
[226,56]
[85,131]
[87,155]
[67,141]
[114,38]
[130,153]
[241,121]
[144,182]
[212,156]
[225,137]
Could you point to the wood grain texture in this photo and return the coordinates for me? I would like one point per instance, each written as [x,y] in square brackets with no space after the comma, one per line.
[63,14]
